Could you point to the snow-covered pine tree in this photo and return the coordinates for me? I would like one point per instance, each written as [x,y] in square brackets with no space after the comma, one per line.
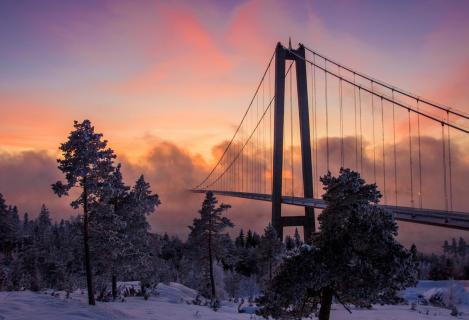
[87,163]
[25,222]
[204,239]
[462,247]
[140,203]
[43,247]
[357,242]
[227,252]
[248,263]
[446,247]
[16,223]
[294,292]
[239,241]
[297,239]
[172,253]
[252,239]
[249,239]
[454,247]
[8,228]
[355,257]
[43,225]
[108,226]
[9,240]
[289,243]
[270,251]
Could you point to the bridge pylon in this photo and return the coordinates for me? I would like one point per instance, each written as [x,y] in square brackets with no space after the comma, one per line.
[308,220]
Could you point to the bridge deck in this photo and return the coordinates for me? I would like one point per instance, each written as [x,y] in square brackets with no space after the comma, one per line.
[440,218]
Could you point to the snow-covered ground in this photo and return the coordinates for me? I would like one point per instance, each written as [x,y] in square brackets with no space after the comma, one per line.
[173,303]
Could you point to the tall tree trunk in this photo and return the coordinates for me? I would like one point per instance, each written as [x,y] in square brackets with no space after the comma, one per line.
[142,288]
[89,275]
[270,269]
[114,277]
[114,287]
[210,259]
[326,303]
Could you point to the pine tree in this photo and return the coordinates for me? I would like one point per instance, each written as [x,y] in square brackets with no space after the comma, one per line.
[25,223]
[454,247]
[297,238]
[289,243]
[87,164]
[8,228]
[462,246]
[415,259]
[249,239]
[239,241]
[44,225]
[42,247]
[355,257]
[205,233]
[446,247]
[172,252]
[293,291]
[227,252]
[270,250]
[252,239]
[140,203]
[109,227]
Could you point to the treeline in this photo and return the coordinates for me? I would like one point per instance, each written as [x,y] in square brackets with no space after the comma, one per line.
[452,264]
[40,253]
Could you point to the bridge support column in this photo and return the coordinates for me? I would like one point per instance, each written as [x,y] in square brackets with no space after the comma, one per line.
[278,222]
[305,137]
[279,111]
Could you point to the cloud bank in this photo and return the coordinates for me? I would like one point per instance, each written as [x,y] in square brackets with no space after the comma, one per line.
[172,171]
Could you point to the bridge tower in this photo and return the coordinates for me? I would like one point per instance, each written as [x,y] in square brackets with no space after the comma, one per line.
[308,220]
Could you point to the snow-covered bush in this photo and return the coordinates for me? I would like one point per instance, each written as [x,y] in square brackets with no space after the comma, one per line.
[448,297]
[178,293]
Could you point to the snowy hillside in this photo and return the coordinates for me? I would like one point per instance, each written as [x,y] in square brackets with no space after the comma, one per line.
[174,302]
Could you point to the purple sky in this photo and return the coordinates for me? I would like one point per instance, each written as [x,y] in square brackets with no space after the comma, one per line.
[151,75]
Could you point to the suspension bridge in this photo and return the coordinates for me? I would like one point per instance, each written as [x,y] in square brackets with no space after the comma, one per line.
[339,117]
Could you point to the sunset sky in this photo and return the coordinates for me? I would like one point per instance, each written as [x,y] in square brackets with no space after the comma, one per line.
[166,82]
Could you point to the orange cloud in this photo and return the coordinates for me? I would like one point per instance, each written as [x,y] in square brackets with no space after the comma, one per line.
[172,170]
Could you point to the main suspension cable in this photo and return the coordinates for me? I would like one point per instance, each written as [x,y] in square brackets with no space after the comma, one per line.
[458,113]
[407,107]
